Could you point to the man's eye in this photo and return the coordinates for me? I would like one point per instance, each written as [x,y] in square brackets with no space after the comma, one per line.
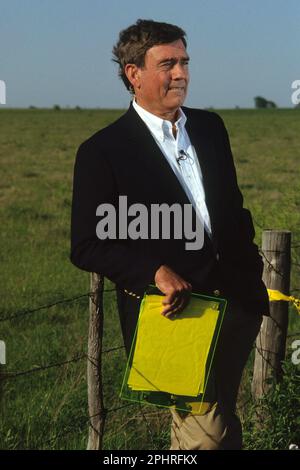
[167,64]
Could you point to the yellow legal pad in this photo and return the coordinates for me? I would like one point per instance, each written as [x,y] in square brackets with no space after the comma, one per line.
[171,355]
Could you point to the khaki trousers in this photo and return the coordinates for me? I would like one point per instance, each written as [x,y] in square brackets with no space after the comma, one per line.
[220,428]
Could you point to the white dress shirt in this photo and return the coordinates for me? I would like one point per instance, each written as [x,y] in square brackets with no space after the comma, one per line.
[187,169]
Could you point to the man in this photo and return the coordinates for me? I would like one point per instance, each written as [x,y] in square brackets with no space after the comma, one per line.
[160,152]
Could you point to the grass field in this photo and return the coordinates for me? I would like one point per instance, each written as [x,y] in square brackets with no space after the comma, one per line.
[48,409]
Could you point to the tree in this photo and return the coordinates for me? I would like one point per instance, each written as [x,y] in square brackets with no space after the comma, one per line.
[261,102]
[271,104]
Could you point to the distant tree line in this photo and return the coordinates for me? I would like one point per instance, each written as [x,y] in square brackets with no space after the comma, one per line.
[57,107]
[261,102]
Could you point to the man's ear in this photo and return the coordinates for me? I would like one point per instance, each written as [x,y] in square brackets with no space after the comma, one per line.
[133,74]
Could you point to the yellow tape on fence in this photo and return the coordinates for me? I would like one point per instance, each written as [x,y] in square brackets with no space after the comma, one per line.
[275,295]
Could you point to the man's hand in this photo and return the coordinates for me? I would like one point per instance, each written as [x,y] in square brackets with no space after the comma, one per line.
[176,290]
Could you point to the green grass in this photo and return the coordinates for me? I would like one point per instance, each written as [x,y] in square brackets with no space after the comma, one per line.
[48,409]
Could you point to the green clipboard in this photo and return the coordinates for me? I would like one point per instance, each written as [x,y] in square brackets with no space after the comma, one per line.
[171,361]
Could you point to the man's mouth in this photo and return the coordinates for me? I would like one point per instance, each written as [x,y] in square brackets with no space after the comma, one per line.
[177,88]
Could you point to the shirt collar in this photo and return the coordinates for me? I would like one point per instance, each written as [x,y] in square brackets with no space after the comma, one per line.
[161,128]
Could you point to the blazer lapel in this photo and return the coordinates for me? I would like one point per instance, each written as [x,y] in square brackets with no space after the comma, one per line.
[148,154]
[206,153]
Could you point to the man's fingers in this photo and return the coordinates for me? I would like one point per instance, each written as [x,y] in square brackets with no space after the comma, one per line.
[178,305]
[169,313]
[170,298]
[173,296]
[171,307]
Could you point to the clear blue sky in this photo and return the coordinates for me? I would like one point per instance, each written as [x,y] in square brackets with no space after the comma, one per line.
[59,51]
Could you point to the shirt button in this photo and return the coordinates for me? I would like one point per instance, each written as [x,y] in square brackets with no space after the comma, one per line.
[217,292]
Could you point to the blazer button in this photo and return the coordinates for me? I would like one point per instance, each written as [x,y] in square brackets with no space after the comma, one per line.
[217,256]
[217,292]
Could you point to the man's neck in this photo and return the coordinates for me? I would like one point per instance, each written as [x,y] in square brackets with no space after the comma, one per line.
[167,116]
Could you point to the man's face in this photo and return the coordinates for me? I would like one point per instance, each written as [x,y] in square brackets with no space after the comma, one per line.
[162,83]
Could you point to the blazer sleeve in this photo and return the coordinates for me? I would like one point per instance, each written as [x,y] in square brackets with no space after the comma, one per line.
[94,184]
[250,256]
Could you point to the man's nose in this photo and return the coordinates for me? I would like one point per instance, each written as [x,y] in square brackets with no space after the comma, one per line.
[180,71]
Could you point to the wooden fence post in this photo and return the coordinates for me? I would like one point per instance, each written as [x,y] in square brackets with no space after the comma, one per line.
[94,375]
[271,340]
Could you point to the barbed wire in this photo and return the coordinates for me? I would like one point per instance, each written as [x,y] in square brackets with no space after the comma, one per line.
[113,349]
[270,265]
[13,374]
[260,351]
[83,421]
[21,313]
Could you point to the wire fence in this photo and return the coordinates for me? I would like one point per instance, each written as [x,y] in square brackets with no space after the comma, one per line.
[82,422]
